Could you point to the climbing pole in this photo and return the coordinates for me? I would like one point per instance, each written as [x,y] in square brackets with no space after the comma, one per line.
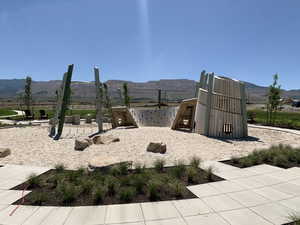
[99,100]
[62,104]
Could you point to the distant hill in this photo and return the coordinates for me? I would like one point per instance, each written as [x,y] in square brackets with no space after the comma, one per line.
[173,89]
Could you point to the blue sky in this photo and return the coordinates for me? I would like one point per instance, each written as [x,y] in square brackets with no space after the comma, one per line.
[143,40]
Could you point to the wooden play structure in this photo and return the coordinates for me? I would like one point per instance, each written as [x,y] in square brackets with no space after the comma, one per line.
[185,115]
[219,111]
[121,116]
[221,107]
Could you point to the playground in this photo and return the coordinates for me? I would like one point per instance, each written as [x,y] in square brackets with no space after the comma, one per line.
[31,146]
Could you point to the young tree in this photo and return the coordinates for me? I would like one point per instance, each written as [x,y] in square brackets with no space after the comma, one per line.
[108,104]
[273,100]
[27,93]
[126,96]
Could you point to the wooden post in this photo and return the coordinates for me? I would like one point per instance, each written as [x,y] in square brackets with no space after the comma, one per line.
[243,109]
[208,104]
[99,100]
[65,99]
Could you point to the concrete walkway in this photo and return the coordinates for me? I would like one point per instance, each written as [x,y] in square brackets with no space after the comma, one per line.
[259,195]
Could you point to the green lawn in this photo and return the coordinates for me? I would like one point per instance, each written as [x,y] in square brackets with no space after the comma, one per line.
[283,119]
[7,112]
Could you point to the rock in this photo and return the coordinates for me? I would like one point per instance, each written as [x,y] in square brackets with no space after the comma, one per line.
[81,144]
[157,148]
[98,163]
[4,152]
[97,140]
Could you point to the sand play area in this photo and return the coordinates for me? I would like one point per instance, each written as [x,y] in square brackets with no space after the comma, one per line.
[32,146]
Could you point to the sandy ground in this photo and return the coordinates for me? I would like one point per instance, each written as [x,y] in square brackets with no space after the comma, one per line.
[32,146]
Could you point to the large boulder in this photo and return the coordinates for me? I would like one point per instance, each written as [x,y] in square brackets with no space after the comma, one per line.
[82,143]
[4,152]
[157,148]
[102,140]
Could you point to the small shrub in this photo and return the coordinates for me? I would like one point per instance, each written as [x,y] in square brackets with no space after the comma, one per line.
[127,194]
[60,167]
[195,162]
[33,181]
[159,165]
[99,194]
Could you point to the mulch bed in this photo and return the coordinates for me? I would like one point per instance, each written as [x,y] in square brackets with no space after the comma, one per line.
[239,165]
[47,188]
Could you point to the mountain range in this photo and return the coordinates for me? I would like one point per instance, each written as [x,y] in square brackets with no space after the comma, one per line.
[172,89]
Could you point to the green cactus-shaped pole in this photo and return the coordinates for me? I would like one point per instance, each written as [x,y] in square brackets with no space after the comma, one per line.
[65,99]
[99,100]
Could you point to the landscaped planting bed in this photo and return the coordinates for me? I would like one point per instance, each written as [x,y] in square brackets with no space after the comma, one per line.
[114,185]
[283,156]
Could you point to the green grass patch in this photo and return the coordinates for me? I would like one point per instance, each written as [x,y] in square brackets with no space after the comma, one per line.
[283,119]
[7,112]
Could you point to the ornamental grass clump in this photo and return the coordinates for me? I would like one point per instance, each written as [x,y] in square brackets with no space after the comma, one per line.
[176,188]
[139,168]
[99,194]
[179,169]
[192,175]
[159,165]
[154,190]
[139,181]
[87,186]
[68,192]
[195,162]
[126,194]
[210,173]
[112,185]
[33,181]
[60,167]
[40,198]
